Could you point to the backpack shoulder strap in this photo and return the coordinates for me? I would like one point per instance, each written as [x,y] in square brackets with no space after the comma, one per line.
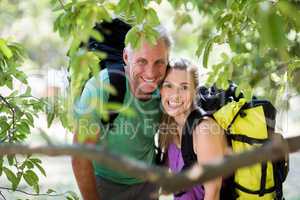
[187,150]
[117,79]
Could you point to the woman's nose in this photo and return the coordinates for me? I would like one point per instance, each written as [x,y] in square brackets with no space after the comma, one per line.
[178,90]
[175,97]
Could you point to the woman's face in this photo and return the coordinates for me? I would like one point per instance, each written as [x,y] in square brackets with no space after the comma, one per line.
[177,92]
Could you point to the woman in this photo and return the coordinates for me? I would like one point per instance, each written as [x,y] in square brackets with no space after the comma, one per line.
[178,93]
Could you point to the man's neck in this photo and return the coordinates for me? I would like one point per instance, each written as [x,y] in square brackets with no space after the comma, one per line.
[135,91]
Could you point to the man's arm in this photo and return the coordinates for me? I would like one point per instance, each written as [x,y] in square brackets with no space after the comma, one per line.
[84,174]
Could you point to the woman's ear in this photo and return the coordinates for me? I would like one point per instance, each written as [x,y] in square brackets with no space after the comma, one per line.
[162,108]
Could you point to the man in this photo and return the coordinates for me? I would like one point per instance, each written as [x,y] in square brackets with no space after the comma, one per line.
[131,136]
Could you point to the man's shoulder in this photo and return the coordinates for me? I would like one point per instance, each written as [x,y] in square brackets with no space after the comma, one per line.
[100,78]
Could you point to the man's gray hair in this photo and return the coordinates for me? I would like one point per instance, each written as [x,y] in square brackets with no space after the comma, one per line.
[164,35]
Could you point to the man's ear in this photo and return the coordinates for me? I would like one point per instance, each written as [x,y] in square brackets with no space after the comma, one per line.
[125,55]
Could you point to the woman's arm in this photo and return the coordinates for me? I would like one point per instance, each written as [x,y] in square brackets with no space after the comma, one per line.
[209,146]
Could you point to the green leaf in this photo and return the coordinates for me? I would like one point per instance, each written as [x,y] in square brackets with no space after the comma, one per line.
[93,61]
[29,164]
[182,19]
[229,3]
[50,191]
[272,26]
[102,14]
[200,47]
[176,3]
[36,188]
[31,178]
[11,177]
[29,118]
[27,92]
[9,83]
[36,160]
[152,17]
[151,34]
[72,196]
[23,127]
[11,159]
[246,89]
[21,76]
[97,35]
[214,75]
[223,19]
[122,6]
[207,51]
[132,37]
[5,50]
[290,11]
[1,165]
[50,117]
[139,11]
[40,168]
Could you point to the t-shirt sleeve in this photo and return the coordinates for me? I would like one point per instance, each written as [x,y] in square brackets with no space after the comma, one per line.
[88,108]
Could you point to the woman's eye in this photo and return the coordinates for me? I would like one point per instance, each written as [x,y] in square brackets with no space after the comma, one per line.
[167,85]
[184,87]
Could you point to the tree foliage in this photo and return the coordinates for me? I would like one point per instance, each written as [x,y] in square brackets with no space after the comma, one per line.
[263,37]
[17,113]
[263,55]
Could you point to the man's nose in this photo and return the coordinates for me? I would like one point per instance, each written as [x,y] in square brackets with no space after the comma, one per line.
[150,72]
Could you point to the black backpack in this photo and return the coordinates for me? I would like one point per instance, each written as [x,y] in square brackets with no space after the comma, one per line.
[211,101]
[114,34]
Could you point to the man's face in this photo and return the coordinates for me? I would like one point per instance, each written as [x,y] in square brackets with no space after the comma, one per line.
[146,67]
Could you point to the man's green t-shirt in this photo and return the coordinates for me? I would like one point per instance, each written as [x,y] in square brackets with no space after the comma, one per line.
[130,136]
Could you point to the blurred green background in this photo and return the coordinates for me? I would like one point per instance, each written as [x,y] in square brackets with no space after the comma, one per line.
[30,23]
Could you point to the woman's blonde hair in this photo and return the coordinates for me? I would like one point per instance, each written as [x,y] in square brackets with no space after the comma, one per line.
[168,126]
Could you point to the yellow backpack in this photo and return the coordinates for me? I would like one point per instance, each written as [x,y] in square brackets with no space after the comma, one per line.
[247,125]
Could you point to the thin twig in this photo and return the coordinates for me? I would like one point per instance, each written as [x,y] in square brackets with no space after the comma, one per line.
[34,194]
[10,131]
[23,96]
[62,5]
[2,195]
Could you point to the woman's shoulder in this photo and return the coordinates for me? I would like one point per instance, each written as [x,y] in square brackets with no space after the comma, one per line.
[208,125]
[208,135]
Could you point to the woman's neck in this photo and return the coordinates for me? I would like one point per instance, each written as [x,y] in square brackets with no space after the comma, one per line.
[178,136]
[180,121]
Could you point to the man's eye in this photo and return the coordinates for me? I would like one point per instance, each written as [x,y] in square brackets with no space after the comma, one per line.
[141,62]
[161,63]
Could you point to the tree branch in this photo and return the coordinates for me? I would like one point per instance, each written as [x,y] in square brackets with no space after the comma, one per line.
[273,150]
[32,194]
